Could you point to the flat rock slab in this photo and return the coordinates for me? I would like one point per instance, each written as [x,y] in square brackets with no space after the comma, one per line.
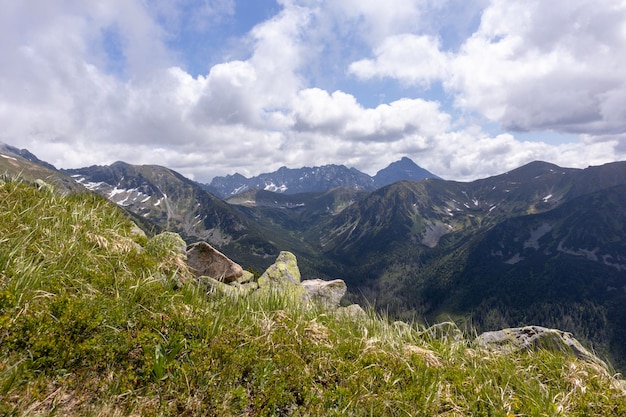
[205,260]
[536,337]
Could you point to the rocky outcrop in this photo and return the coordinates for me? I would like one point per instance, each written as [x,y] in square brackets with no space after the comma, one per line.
[204,260]
[328,293]
[234,289]
[536,337]
[283,272]
[282,276]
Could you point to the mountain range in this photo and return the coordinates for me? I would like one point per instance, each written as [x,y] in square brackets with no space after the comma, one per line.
[540,244]
[317,179]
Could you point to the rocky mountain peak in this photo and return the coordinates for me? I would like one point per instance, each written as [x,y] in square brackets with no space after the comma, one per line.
[317,179]
[404,169]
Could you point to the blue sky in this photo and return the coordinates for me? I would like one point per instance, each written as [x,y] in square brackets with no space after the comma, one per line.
[466,88]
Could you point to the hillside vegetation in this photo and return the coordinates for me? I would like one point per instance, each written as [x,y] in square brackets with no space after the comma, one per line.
[97,319]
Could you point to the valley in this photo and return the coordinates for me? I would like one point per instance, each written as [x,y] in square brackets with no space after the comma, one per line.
[540,244]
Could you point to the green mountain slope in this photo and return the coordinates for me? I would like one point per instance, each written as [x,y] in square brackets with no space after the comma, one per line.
[14,164]
[564,268]
[540,244]
[175,203]
[96,319]
[290,221]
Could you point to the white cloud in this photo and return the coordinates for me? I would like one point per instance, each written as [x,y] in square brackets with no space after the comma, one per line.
[340,115]
[538,66]
[226,97]
[374,20]
[91,82]
[411,59]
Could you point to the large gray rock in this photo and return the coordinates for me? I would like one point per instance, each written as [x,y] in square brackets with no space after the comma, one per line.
[328,293]
[536,337]
[283,272]
[204,260]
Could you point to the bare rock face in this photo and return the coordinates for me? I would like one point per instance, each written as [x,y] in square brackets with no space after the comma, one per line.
[205,260]
[536,337]
[328,293]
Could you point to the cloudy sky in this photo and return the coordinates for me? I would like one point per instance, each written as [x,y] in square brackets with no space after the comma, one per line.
[466,88]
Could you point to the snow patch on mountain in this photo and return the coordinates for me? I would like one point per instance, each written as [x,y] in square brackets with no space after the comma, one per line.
[275,188]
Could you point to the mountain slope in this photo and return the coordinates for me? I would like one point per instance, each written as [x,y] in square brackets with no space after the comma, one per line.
[20,163]
[176,203]
[540,244]
[404,169]
[97,320]
[565,268]
[423,212]
[290,220]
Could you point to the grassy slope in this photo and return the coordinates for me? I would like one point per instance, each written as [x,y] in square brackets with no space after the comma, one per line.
[97,321]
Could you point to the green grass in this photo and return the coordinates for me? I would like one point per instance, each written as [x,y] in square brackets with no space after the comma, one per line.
[95,320]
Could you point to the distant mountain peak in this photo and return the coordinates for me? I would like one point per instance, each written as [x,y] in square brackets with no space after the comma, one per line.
[404,169]
[317,179]
[26,154]
[293,181]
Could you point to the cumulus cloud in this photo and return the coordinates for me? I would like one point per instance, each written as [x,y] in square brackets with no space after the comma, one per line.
[374,20]
[340,114]
[532,66]
[96,81]
[409,58]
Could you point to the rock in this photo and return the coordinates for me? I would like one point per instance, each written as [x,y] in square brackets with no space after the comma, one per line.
[234,289]
[536,337]
[204,260]
[136,231]
[213,285]
[247,287]
[246,277]
[352,312]
[283,272]
[165,244]
[328,293]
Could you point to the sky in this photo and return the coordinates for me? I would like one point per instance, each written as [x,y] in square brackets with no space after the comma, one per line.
[465,88]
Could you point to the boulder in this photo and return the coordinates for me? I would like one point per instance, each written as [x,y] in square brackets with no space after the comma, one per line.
[233,289]
[352,312]
[165,244]
[215,286]
[328,293]
[536,337]
[204,260]
[283,272]
[246,277]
